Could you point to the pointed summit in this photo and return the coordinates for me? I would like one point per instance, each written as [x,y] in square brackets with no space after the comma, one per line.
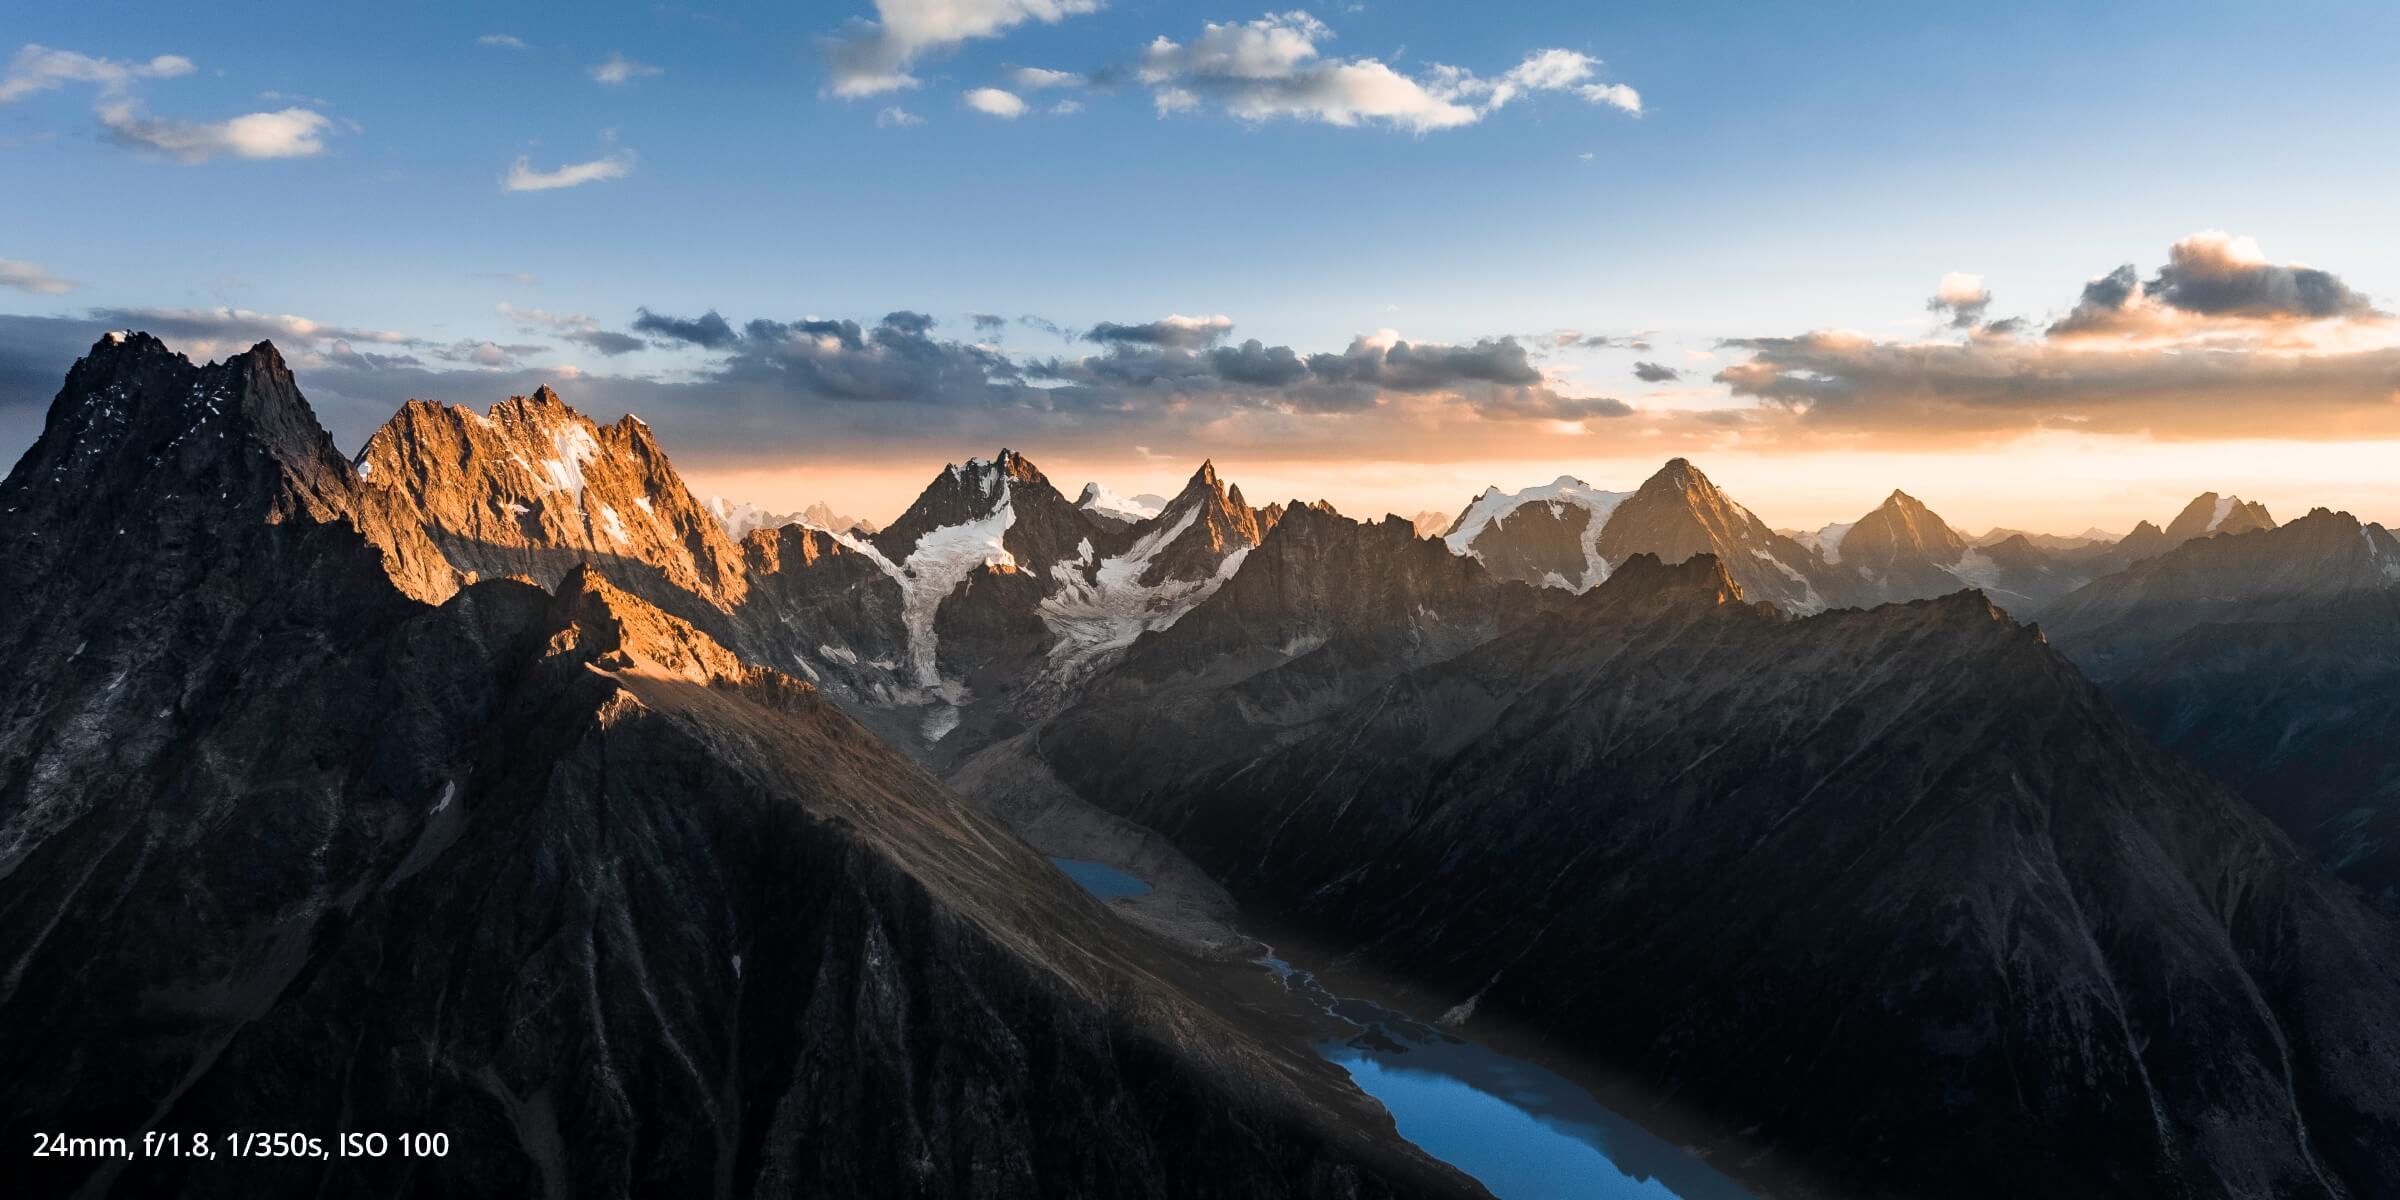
[1901,535]
[2211,513]
[1202,526]
[137,424]
[1678,513]
[1005,500]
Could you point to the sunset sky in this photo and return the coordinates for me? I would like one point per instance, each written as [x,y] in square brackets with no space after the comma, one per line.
[2038,265]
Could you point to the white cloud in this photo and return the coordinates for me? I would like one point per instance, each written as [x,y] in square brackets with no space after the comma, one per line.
[1066,108]
[506,41]
[522,177]
[41,69]
[1034,79]
[1549,70]
[1004,105]
[870,58]
[1616,95]
[1271,67]
[29,277]
[617,69]
[241,326]
[1555,70]
[287,133]
[896,117]
[1960,287]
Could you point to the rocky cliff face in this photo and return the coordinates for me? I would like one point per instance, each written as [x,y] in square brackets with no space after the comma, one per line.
[557,875]
[534,488]
[1859,884]
[992,595]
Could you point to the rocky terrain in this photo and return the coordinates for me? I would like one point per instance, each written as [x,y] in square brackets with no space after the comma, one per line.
[1904,551]
[2273,659]
[553,872]
[1569,535]
[497,779]
[2207,515]
[1909,857]
[990,594]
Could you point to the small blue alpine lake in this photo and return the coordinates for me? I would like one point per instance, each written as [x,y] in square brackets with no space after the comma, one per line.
[1522,1131]
[1100,879]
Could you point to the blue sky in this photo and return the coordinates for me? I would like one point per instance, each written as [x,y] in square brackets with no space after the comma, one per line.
[1806,168]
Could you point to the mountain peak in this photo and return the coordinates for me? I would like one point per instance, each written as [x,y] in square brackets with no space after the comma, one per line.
[1679,475]
[1206,476]
[138,426]
[264,356]
[2213,512]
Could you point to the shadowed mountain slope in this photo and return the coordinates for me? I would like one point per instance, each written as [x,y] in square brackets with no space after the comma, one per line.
[557,875]
[1895,891]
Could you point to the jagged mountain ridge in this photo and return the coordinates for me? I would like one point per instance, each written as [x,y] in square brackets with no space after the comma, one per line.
[739,519]
[2225,576]
[1904,551]
[2208,514]
[1571,535]
[533,488]
[952,595]
[1011,595]
[2273,658]
[557,875]
[1350,612]
[1686,834]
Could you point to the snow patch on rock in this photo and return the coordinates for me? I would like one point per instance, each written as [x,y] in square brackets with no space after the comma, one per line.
[576,447]
[1827,541]
[942,559]
[1809,601]
[1487,509]
[1103,607]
